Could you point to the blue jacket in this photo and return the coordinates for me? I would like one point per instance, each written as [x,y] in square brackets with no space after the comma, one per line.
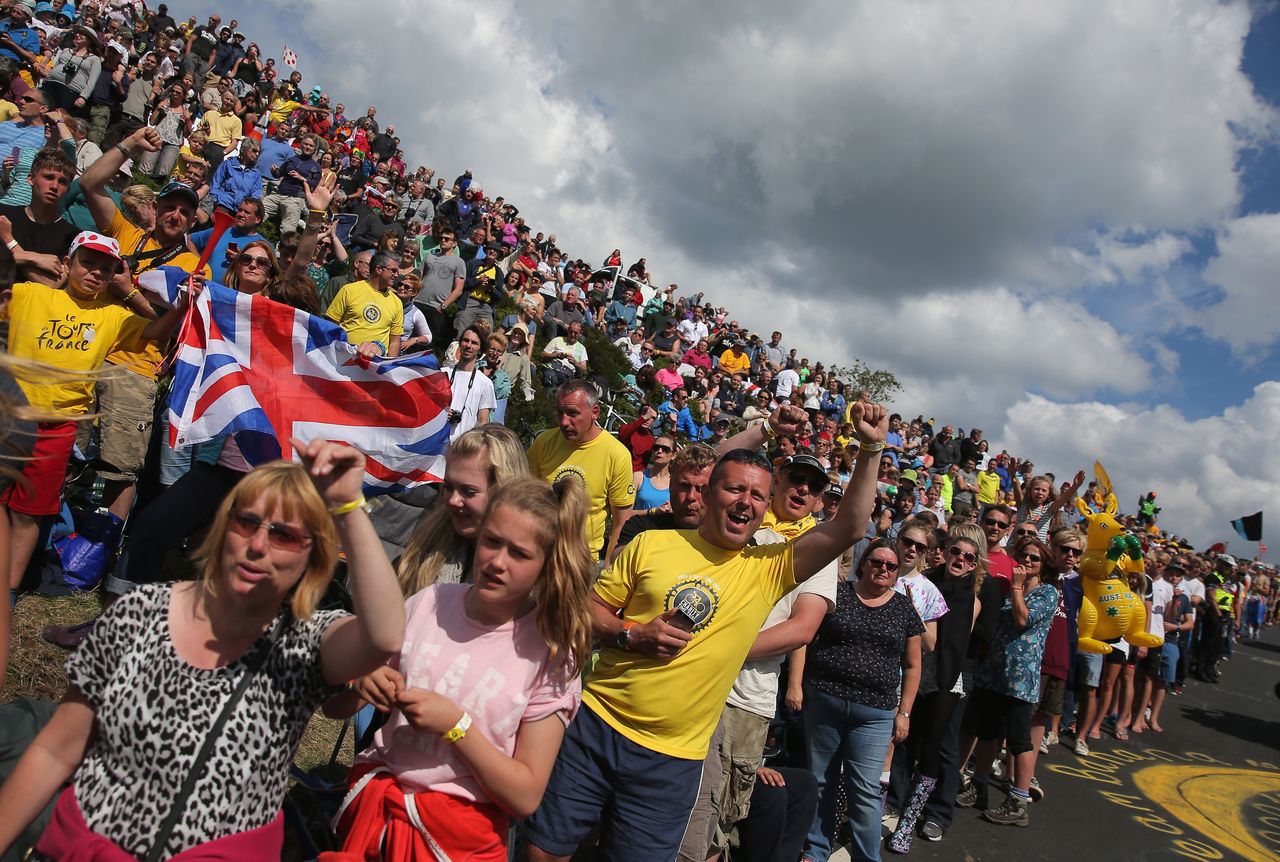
[233,182]
[308,167]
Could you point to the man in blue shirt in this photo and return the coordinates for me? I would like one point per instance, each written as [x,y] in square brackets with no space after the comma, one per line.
[232,242]
[26,132]
[674,416]
[237,178]
[16,30]
[272,154]
[297,171]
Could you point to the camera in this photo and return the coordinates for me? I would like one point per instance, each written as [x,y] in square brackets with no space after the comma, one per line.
[69,70]
[454,417]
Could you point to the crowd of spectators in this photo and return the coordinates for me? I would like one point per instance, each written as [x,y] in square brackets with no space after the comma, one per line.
[912,671]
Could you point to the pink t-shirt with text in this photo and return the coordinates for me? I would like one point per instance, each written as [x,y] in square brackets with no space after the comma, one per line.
[502,676]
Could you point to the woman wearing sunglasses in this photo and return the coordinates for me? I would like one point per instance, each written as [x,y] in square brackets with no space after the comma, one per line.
[1007,685]
[962,583]
[861,675]
[214,679]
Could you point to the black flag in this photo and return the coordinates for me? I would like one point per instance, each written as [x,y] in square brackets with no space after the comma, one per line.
[1249,527]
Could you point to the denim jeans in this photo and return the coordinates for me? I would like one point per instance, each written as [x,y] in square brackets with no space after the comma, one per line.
[841,732]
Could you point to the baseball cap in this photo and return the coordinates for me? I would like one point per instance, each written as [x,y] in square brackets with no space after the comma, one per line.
[835,490]
[97,242]
[803,460]
[177,188]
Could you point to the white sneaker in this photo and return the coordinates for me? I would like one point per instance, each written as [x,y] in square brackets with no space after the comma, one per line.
[1044,744]
[1082,747]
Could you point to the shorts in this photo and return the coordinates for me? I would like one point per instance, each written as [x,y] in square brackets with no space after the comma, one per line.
[1169,655]
[643,797]
[995,715]
[1089,671]
[126,412]
[1152,662]
[1053,695]
[1117,656]
[40,491]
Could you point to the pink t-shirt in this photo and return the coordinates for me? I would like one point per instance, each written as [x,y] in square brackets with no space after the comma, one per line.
[501,676]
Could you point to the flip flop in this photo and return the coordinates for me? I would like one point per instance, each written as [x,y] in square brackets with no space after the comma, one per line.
[1094,734]
[1122,734]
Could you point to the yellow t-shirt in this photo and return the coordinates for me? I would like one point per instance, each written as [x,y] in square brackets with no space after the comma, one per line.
[731,364]
[988,487]
[280,109]
[138,354]
[367,314]
[223,128]
[8,111]
[51,326]
[672,706]
[603,465]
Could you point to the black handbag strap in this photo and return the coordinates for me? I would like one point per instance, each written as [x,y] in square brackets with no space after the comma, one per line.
[252,666]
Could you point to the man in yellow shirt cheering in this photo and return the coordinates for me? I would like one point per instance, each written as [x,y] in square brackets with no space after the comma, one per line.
[681,609]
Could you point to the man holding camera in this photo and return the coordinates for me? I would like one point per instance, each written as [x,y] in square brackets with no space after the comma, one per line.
[483,289]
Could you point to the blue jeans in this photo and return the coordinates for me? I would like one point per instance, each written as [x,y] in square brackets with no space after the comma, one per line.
[841,732]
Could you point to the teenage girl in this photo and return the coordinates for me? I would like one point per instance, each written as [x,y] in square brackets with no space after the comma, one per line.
[480,696]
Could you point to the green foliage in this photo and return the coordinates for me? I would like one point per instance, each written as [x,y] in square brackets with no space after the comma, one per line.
[529,417]
[879,383]
[604,358]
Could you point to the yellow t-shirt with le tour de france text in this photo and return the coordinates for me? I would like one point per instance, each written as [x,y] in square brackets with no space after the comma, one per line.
[672,706]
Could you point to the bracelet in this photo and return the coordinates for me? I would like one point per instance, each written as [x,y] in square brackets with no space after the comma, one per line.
[125,150]
[131,294]
[769,433]
[347,507]
[870,448]
[11,244]
[1016,589]
[459,730]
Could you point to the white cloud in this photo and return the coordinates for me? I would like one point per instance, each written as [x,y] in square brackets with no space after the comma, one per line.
[1206,471]
[1245,269]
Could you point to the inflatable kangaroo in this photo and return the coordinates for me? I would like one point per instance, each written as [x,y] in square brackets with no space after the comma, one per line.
[1110,609]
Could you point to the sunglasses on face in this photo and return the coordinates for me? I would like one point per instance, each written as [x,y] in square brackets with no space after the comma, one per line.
[913,545]
[1067,549]
[992,522]
[967,556]
[1024,534]
[801,477]
[877,563]
[661,447]
[1030,558]
[256,261]
[282,537]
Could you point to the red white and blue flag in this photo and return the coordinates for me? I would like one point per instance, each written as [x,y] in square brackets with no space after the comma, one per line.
[265,372]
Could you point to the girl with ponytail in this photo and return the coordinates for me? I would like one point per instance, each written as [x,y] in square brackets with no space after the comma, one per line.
[480,696]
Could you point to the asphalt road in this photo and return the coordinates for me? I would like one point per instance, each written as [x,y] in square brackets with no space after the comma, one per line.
[1207,788]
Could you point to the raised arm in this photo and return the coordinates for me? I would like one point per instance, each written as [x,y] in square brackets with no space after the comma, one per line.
[828,540]
[93,182]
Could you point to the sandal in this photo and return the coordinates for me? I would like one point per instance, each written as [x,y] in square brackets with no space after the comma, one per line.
[1094,734]
[1122,734]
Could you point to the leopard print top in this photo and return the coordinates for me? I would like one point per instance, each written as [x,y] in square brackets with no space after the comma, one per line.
[154,711]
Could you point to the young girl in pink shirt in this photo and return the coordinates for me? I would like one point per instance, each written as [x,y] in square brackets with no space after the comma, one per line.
[482,691]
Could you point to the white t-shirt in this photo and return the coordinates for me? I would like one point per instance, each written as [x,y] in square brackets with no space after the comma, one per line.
[756,688]
[472,392]
[787,380]
[1161,595]
[691,331]
[1193,588]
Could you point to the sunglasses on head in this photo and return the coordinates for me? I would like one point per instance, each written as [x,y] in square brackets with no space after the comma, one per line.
[967,556]
[282,537]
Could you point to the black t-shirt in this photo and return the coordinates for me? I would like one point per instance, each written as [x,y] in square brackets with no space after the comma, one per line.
[638,524]
[52,239]
[664,341]
[857,652]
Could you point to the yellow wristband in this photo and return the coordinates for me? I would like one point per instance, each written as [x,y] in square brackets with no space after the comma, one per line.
[871,448]
[348,507]
[131,294]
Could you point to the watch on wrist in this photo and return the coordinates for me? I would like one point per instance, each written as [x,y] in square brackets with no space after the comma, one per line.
[624,636]
[904,714]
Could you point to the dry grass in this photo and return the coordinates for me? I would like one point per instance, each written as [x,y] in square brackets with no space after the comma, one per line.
[36,669]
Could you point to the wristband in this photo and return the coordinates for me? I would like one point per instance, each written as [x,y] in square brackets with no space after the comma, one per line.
[125,150]
[459,730]
[347,507]
[131,294]
[11,244]
[870,448]
[1016,589]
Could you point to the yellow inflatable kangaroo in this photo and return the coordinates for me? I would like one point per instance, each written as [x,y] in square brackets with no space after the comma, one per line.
[1110,609]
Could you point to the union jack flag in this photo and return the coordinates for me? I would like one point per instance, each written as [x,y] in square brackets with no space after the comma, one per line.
[264,371]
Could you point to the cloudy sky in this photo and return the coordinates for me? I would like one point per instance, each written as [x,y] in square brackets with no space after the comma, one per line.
[1059,222]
